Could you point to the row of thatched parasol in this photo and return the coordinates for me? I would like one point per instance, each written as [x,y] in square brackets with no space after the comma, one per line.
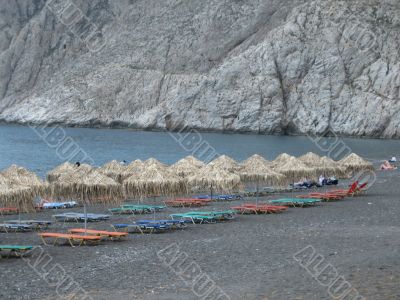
[114,181]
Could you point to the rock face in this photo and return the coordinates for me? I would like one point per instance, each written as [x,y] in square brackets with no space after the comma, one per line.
[266,66]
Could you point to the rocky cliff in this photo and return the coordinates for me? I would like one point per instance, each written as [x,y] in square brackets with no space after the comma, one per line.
[266,66]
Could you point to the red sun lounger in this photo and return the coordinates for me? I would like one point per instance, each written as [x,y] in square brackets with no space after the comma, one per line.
[322,196]
[361,188]
[70,238]
[8,210]
[112,235]
[332,194]
[260,208]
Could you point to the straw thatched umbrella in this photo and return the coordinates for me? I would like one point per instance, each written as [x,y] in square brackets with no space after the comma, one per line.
[224,162]
[257,172]
[66,168]
[211,178]
[154,162]
[330,167]
[256,159]
[87,186]
[16,196]
[113,169]
[186,166]
[253,172]
[281,159]
[354,163]
[322,165]
[131,169]
[21,177]
[295,169]
[310,159]
[154,181]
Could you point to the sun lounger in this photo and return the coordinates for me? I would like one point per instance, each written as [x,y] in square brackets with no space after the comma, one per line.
[8,210]
[361,188]
[148,227]
[36,224]
[150,208]
[322,196]
[187,202]
[173,223]
[59,205]
[131,228]
[295,202]
[259,208]
[121,211]
[218,215]
[195,218]
[70,238]
[332,193]
[79,217]
[13,250]
[10,227]
[136,209]
[220,197]
[112,235]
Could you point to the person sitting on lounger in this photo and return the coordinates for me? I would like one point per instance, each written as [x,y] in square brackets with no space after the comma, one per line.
[387,166]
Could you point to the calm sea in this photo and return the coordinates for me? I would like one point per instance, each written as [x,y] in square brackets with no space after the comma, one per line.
[41,150]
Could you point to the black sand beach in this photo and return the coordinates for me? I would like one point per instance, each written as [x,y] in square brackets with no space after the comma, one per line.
[251,257]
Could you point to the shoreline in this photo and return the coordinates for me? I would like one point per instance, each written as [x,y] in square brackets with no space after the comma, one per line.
[194,130]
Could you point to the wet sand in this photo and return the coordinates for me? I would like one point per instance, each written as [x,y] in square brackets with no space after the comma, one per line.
[251,257]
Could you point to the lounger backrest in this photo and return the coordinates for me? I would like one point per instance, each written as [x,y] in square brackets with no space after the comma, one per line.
[353,187]
[362,185]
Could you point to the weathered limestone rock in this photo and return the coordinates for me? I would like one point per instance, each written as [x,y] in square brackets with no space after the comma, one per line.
[266,66]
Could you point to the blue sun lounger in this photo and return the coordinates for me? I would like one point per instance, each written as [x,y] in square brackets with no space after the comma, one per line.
[36,224]
[173,223]
[80,217]
[10,227]
[220,197]
[13,250]
[59,205]
[142,227]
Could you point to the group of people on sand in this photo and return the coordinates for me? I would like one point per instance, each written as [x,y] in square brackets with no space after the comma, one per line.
[389,164]
[304,183]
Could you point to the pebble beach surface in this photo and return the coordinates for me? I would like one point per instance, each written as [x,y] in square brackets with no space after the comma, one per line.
[251,257]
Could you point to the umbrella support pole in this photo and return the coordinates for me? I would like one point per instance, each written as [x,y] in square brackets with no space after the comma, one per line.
[257,194]
[85,213]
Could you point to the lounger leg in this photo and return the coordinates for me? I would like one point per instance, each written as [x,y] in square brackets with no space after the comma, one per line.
[43,240]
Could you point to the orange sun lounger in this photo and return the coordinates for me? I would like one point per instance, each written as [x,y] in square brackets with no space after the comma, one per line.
[71,238]
[187,202]
[108,234]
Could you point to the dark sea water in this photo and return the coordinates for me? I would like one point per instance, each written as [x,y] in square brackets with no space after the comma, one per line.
[40,149]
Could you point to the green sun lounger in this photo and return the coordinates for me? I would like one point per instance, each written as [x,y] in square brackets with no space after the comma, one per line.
[205,216]
[220,215]
[296,202]
[13,250]
[195,218]
[136,209]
